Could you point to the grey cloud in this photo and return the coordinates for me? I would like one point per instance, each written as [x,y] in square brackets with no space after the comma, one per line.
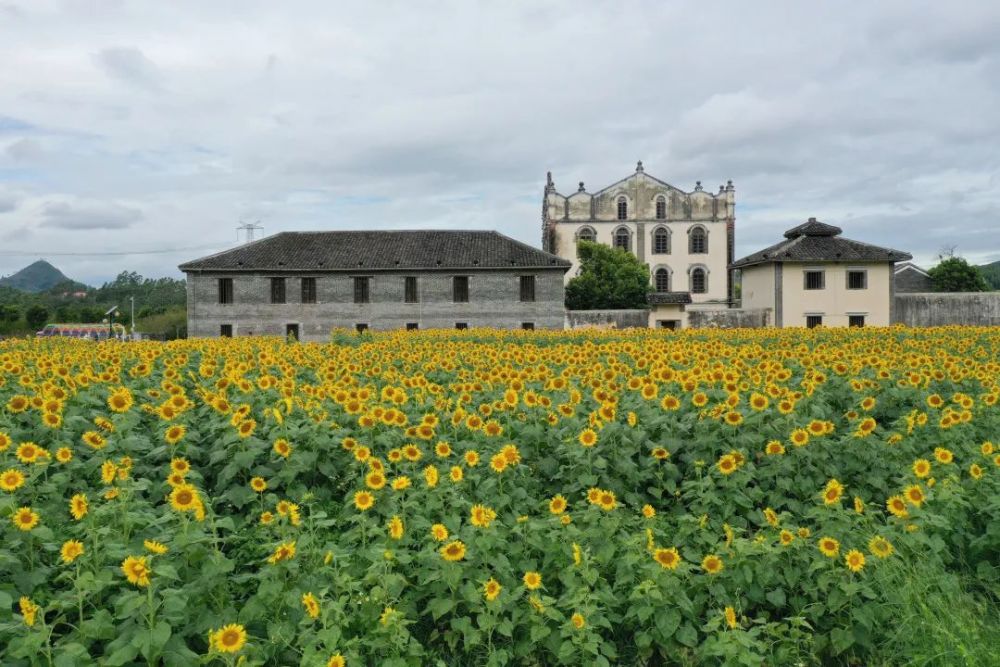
[24,150]
[8,202]
[131,66]
[85,215]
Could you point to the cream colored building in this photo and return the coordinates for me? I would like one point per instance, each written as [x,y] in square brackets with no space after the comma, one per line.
[686,238]
[816,277]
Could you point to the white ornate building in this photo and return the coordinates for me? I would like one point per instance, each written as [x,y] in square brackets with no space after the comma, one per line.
[686,238]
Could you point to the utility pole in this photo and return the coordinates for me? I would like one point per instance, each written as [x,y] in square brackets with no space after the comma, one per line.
[132,300]
[249,228]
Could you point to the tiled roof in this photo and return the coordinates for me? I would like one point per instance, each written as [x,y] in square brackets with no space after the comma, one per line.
[379,250]
[661,298]
[814,241]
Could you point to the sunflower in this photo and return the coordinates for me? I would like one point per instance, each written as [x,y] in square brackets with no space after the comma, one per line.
[431,476]
[439,532]
[578,620]
[588,437]
[668,559]
[136,570]
[921,468]
[880,547]
[897,506]
[730,615]
[184,498]
[401,483]
[491,589]
[246,428]
[800,437]
[482,516]
[11,480]
[283,448]
[771,517]
[230,638]
[284,551]
[78,506]
[174,434]
[855,560]
[471,458]
[396,528]
[28,610]
[786,537]
[943,455]
[557,505]
[832,493]
[363,500]
[311,605]
[648,511]
[64,455]
[712,564]
[25,518]
[71,550]
[28,452]
[456,474]
[774,448]
[975,471]
[726,464]
[670,402]
[267,518]
[532,580]
[375,480]
[258,484]
[660,453]
[607,501]
[5,440]
[453,551]
[121,400]
[829,547]
[914,495]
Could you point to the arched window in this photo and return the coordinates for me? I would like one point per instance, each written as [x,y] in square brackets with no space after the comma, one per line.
[586,234]
[699,281]
[623,239]
[697,241]
[622,208]
[662,277]
[661,208]
[661,241]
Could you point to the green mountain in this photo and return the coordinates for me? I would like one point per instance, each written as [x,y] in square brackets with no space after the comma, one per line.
[37,277]
[991,272]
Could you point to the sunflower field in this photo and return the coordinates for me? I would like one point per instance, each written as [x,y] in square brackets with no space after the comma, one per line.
[503,498]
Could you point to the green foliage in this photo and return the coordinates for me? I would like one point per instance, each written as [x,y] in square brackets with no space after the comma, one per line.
[36,316]
[954,274]
[991,272]
[610,278]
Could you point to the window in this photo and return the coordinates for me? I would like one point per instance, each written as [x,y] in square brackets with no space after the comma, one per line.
[586,234]
[412,326]
[226,330]
[461,325]
[292,331]
[672,325]
[527,288]
[857,279]
[410,290]
[661,208]
[277,290]
[225,290]
[623,239]
[813,321]
[698,241]
[815,279]
[460,289]
[662,279]
[699,281]
[661,241]
[528,326]
[308,290]
[622,208]
[855,320]
[361,327]
[362,293]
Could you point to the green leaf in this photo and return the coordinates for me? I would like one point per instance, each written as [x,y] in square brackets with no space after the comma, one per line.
[776,597]
[440,606]
[687,635]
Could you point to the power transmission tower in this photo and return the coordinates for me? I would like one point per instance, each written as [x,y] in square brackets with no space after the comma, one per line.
[249,228]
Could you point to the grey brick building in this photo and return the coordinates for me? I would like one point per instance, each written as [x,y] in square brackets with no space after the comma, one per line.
[308,283]
[908,277]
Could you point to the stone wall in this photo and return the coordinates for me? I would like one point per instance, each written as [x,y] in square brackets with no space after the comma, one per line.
[607,319]
[730,318]
[909,281]
[931,309]
[494,301]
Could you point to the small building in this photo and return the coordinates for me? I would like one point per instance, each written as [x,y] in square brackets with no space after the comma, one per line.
[305,284]
[908,277]
[817,277]
[686,238]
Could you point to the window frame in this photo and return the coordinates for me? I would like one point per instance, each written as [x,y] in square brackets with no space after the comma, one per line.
[664,271]
[864,278]
[621,208]
[697,232]
[412,326]
[461,326]
[661,207]
[411,296]
[704,278]
[361,327]
[851,323]
[362,289]
[225,331]
[810,324]
[587,230]
[622,229]
[527,288]
[307,287]
[527,326]
[659,232]
[460,294]
[806,273]
[225,288]
[279,290]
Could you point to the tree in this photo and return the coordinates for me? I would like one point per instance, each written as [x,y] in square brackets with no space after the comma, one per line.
[36,316]
[954,274]
[609,278]
[9,314]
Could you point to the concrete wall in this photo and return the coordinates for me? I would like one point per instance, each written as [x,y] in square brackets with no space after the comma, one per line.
[835,302]
[730,318]
[757,290]
[931,309]
[494,301]
[607,319]
[909,279]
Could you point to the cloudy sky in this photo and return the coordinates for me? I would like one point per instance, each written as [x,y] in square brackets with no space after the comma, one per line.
[151,129]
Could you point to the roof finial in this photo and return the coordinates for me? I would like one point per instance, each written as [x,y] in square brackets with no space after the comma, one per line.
[549,185]
[697,186]
[638,167]
[729,186]
[722,188]
[580,189]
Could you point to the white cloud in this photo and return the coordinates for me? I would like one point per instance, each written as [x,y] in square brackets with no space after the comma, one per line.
[88,215]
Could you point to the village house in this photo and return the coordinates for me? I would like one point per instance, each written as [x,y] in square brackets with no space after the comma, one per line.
[816,277]
[909,277]
[686,238]
[305,284]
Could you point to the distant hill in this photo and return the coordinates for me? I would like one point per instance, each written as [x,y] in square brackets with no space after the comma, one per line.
[37,277]
[992,274]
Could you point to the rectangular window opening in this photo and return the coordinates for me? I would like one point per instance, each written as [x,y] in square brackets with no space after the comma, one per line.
[292,331]
[857,280]
[277,290]
[855,320]
[225,290]
[460,289]
[527,288]
[226,330]
[410,290]
[528,326]
[308,290]
[361,327]
[815,279]
[461,325]
[412,326]
[361,290]
[813,321]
